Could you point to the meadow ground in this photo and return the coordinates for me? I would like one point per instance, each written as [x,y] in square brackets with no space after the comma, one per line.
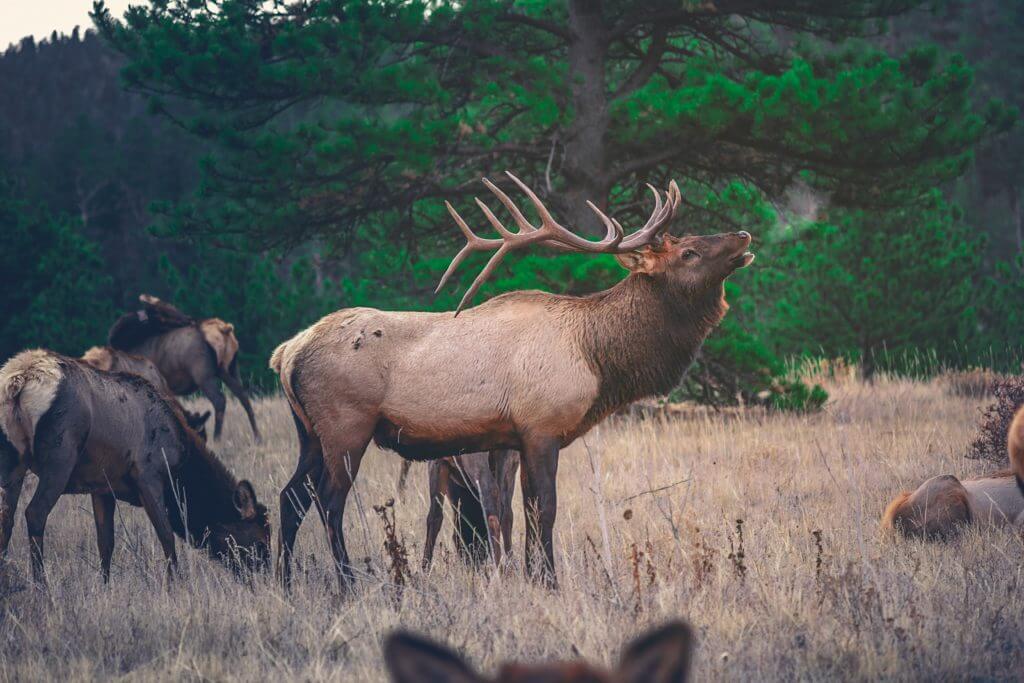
[854,607]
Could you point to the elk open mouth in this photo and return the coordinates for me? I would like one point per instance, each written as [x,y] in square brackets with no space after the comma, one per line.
[742,260]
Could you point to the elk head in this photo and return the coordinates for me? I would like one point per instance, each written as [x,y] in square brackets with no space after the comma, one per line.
[660,656]
[692,262]
[242,543]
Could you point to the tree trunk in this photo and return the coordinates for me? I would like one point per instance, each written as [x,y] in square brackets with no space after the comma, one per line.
[585,169]
[1014,192]
[867,363]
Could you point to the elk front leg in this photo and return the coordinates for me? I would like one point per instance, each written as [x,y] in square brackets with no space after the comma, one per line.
[538,475]
[210,388]
[437,474]
[151,491]
[103,514]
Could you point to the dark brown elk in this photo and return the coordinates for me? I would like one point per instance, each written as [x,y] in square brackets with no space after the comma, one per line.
[109,359]
[479,487]
[527,370]
[192,355]
[662,655]
[112,436]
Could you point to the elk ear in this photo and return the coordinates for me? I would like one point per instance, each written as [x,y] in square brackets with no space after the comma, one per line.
[412,659]
[659,656]
[244,499]
[644,260]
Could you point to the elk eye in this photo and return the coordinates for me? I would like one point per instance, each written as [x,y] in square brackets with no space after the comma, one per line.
[690,254]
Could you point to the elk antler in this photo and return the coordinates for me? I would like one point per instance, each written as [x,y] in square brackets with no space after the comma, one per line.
[551,233]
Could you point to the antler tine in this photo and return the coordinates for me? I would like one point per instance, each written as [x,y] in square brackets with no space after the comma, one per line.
[659,219]
[613,231]
[484,274]
[473,243]
[524,225]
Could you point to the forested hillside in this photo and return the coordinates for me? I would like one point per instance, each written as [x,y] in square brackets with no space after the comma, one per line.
[314,177]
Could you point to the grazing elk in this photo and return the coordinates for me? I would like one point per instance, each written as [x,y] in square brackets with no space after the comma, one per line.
[942,506]
[109,359]
[479,487]
[527,370]
[661,655]
[111,435]
[190,354]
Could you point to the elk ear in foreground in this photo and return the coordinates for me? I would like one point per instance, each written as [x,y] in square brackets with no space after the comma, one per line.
[659,656]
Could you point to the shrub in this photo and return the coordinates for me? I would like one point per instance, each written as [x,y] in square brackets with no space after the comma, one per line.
[990,443]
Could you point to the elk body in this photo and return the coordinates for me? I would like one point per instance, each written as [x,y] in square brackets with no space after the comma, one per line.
[192,355]
[1015,447]
[479,487]
[109,359]
[942,506]
[662,655]
[528,371]
[112,436]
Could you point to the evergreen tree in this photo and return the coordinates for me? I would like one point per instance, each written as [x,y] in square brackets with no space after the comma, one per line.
[876,283]
[53,289]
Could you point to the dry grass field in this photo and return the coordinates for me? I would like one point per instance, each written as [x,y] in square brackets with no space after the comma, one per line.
[665,492]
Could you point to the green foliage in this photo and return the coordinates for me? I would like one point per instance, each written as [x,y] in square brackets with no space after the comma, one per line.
[870,283]
[53,290]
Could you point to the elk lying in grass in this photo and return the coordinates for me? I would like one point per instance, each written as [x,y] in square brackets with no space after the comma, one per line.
[479,487]
[942,506]
[527,370]
[1015,447]
[109,359]
[190,354]
[661,655]
[111,435]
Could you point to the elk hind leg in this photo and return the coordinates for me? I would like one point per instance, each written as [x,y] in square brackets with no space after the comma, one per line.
[343,452]
[210,388]
[234,383]
[297,497]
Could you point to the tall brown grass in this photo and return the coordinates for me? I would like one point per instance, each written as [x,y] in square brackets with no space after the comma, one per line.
[647,531]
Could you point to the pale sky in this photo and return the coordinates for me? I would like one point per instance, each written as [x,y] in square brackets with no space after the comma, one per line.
[20,18]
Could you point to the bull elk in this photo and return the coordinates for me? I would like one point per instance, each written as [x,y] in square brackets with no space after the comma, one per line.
[190,354]
[526,370]
[661,655]
[111,435]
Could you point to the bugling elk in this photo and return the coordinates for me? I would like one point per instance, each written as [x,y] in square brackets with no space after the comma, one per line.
[661,655]
[479,487]
[111,435]
[527,370]
[109,359]
[191,354]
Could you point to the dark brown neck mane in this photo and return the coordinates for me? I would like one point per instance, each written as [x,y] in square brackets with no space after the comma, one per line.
[641,336]
[204,487]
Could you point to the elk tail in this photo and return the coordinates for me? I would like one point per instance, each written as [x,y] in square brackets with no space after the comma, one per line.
[28,386]
[220,336]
